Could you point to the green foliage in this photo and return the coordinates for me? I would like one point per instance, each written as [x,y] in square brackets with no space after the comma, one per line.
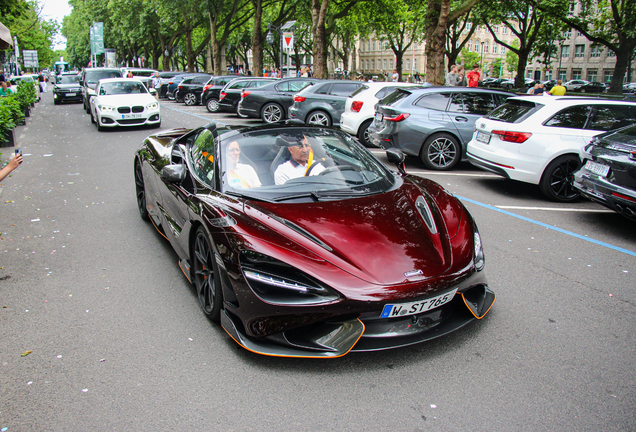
[469,58]
[8,115]
[496,68]
[512,59]
[26,94]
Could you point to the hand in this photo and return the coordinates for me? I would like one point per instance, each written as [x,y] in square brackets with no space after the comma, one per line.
[15,162]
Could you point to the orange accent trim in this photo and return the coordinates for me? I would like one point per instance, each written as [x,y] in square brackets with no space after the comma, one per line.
[153,224]
[471,311]
[310,160]
[184,273]
[288,356]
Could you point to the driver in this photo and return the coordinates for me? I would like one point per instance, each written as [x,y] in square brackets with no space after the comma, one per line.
[239,175]
[301,162]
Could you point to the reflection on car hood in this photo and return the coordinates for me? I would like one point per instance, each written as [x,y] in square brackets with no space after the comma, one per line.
[67,86]
[127,99]
[377,238]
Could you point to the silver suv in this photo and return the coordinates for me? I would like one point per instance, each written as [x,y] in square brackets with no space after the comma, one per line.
[323,103]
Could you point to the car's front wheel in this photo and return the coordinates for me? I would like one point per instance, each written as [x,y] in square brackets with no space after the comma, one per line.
[206,276]
[140,188]
[212,105]
[558,178]
[272,113]
[319,118]
[441,152]
[190,99]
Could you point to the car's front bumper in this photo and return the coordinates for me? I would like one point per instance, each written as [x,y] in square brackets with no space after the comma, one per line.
[68,96]
[367,331]
[114,119]
[599,189]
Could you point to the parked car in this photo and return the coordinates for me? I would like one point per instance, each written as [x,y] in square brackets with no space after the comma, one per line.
[165,77]
[395,259]
[15,80]
[173,84]
[271,101]
[433,123]
[212,90]
[89,79]
[509,84]
[629,87]
[189,90]
[608,172]
[492,82]
[67,88]
[324,103]
[230,94]
[575,85]
[593,87]
[360,107]
[142,74]
[547,85]
[538,140]
[124,102]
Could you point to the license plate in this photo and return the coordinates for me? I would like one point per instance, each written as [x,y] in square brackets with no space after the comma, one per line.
[130,116]
[70,94]
[379,117]
[597,168]
[404,309]
[483,137]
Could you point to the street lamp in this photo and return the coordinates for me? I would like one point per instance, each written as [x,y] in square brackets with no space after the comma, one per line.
[270,37]
[482,56]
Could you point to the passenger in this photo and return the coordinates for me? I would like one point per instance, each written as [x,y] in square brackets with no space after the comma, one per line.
[240,175]
[301,163]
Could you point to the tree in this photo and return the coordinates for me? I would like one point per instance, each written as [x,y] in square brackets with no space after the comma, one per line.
[470,58]
[455,33]
[225,17]
[512,59]
[440,14]
[611,23]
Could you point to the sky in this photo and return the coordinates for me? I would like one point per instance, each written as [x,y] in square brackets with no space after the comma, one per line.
[55,10]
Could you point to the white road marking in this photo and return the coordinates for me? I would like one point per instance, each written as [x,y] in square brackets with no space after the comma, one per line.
[556,209]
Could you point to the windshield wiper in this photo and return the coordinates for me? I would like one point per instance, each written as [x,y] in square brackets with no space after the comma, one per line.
[313,195]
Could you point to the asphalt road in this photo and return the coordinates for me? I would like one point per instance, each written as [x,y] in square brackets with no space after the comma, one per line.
[117,341]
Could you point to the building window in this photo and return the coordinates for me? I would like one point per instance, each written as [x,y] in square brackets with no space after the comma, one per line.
[385,68]
[504,30]
[567,34]
[373,45]
[495,29]
[476,28]
[611,53]
[609,74]
[468,26]
[373,64]
[565,51]
[470,45]
[591,74]
[576,74]
[529,73]
[476,46]
[578,33]
[503,50]
[494,49]
[562,75]
[579,51]
[486,47]
[595,51]
[408,64]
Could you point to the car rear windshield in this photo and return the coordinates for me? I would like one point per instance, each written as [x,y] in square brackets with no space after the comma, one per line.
[94,76]
[360,90]
[514,111]
[395,96]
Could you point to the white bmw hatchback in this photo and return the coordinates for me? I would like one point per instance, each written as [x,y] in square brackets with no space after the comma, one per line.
[360,107]
[538,140]
[124,102]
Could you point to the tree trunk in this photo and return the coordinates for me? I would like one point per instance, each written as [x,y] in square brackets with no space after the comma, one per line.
[437,22]
[189,54]
[520,81]
[354,63]
[318,29]
[257,39]
[623,60]
[208,60]
[399,62]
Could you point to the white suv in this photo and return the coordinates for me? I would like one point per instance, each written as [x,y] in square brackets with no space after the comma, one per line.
[360,107]
[538,140]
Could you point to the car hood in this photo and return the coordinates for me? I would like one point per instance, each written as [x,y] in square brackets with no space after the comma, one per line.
[127,100]
[381,239]
[67,86]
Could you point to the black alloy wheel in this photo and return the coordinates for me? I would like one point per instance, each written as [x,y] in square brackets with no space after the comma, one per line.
[206,276]
[558,178]
[190,99]
[272,113]
[441,152]
[363,134]
[140,188]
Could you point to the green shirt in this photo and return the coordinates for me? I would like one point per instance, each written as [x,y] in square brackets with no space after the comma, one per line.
[6,92]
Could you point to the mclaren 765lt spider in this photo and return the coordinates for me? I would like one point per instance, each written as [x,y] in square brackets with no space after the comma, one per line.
[302,244]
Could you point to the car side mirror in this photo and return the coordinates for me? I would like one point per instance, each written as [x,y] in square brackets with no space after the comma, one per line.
[152,91]
[173,173]
[397,157]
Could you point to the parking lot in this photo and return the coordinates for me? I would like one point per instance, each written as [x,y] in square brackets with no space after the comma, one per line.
[118,342]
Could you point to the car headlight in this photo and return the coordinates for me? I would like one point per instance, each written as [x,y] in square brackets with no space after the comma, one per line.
[153,105]
[479,252]
[105,108]
[279,283]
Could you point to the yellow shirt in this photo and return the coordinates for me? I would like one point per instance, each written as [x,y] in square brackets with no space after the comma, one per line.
[557,90]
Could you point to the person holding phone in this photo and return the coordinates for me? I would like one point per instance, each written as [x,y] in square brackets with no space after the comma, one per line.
[13,164]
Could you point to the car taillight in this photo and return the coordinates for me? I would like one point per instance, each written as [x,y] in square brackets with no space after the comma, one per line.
[170,82]
[207,87]
[356,106]
[300,98]
[514,137]
[399,118]
[222,95]
[180,86]
[244,93]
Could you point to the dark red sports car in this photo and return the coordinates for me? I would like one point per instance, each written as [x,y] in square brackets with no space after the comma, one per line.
[303,244]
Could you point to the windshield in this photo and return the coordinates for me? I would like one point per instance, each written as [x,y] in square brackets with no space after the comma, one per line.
[122,87]
[143,73]
[68,79]
[299,164]
[94,76]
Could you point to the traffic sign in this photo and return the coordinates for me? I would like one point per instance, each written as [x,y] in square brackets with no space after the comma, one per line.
[30,58]
[288,40]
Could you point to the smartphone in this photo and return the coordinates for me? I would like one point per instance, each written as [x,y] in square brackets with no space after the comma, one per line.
[18,151]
